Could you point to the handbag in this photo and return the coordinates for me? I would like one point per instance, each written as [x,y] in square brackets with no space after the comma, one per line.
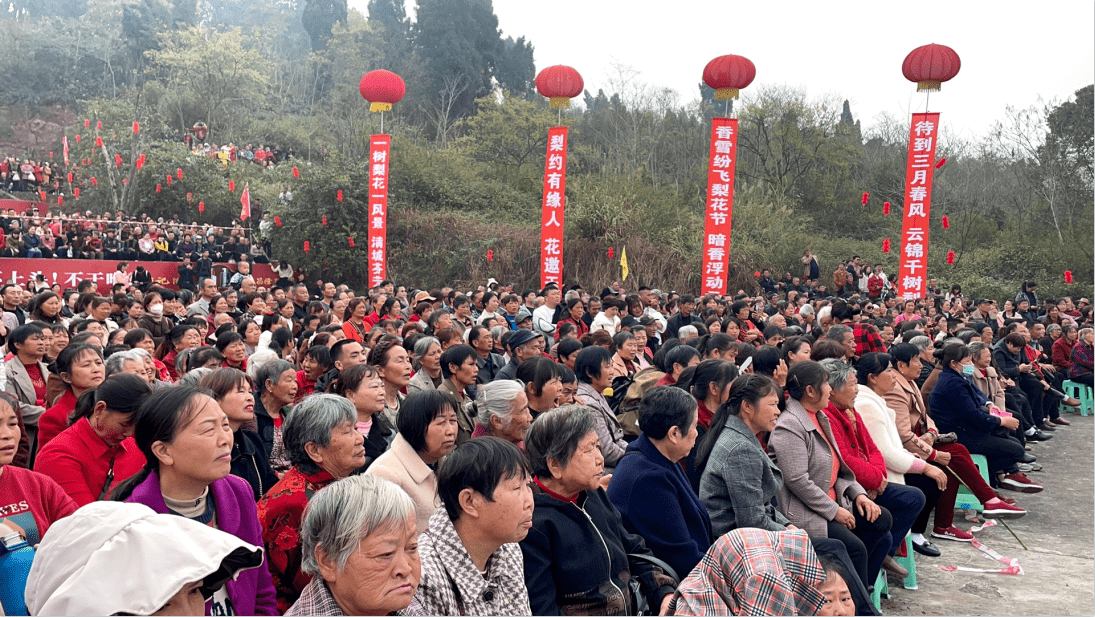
[642,605]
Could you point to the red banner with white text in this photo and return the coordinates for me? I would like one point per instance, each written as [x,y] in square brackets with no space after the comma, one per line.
[69,272]
[379,150]
[720,205]
[912,278]
[551,233]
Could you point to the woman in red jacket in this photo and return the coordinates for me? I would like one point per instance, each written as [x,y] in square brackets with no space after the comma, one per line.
[81,368]
[1062,347]
[861,454]
[97,451]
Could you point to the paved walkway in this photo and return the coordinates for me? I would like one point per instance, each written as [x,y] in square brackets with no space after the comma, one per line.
[1059,529]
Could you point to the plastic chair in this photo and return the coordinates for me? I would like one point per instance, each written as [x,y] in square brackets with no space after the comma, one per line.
[909,564]
[881,587]
[1081,393]
[966,500]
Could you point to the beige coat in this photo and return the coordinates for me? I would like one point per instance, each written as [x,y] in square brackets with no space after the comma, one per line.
[805,462]
[909,413]
[402,465]
[991,386]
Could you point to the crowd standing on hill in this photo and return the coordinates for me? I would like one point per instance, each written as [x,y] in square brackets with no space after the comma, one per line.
[303,449]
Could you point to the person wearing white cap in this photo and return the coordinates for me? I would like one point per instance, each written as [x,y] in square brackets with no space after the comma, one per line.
[156,564]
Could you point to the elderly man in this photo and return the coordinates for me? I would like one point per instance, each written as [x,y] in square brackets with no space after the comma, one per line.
[360,543]
[523,344]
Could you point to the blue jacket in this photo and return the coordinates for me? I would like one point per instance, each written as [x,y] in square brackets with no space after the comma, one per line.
[956,405]
[657,502]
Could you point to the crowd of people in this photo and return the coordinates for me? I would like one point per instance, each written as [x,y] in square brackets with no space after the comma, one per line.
[303,449]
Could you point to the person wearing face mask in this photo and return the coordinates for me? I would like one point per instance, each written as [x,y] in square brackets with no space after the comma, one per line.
[153,319]
[956,406]
[97,451]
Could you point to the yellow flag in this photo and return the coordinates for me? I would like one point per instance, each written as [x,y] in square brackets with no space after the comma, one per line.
[623,262]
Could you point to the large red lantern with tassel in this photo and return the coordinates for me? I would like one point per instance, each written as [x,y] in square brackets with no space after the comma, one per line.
[382,89]
[931,65]
[559,84]
[728,74]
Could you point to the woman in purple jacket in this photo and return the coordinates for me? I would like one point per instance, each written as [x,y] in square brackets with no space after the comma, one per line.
[187,444]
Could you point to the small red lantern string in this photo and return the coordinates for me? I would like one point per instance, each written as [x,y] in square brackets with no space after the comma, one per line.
[201,206]
[168,179]
[886,245]
[125,181]
[277,221]
[324,220]
[99,125]
[1068,276]
[60,199]
[941,163]
[159,187]
[351,242]
[118,160]
[179,173]
[610,252]
[490,255]
[77,138]
[70,177]
[340,194]
[94,182]
[886,207]
[136,127]
[87,123]
[756,274]
[950,257]
[296,172]
[866,197]
[946,223]
[231,186]
[76,192]
[307,246]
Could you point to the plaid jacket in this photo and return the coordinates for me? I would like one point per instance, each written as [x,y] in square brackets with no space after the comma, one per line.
[316,599]
[753,572]
[867,339]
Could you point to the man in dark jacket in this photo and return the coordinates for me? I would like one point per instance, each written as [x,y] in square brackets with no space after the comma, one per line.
[523,344]
[685,317]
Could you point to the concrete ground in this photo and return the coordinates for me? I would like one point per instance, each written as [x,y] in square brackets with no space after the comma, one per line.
[1059,568]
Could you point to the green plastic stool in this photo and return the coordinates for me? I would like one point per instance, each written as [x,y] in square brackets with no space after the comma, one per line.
[966,500]
[909,564]
[881,587]
[1081,393]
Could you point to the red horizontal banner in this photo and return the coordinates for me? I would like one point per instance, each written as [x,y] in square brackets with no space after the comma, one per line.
[69,272]
[21,207]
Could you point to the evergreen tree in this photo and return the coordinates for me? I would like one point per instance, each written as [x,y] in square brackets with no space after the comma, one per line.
[460,44]
[515,69]
[319,17]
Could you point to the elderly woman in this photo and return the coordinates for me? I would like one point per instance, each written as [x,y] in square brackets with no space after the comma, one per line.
[577,554]
[324,445]
[652,491]
[33,501]
[594,370]
[459,367]
[859,451]
[362,386]
[359,544]
[820,493]
[234,392]
[543,383]
[316,362]
[624,360]
[276,382]
[395,369]
[1082,358]
[427,433]
[96,451]
[471,562]
[187,444]
[427,353]
[502,411]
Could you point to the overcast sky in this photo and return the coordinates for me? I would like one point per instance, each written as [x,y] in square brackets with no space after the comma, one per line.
[1013,53]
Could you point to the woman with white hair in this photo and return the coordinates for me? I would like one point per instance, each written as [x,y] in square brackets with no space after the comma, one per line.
[323,443]
[502,411]
[360,544]
[427,357]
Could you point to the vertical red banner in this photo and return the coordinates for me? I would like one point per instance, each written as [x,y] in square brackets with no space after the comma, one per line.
[720,205]
[551,233]
[912,278]
[379,149]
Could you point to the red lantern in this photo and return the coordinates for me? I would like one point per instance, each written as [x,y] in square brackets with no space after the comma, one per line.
[140,164]
[231,186]
[125,181]
[728,74]
[340,194]
[118,160]
[351,242]
[1068,276]
[296,172]
[189,197]
[866,198]
[756,274]
[201,206]
[70,177]
[99,125]
[931,65]
[277,221]
[98,142]
[885,207]
[179,173]
[950,257]
[886,245]
[41,195]
[168,179]
[946,223]
[324,220]
[611,253]
[51,154]
[490,255]
[87,123]
[77,138]
[159,187]
[60,199]
[136,127]
[559,84]
[94,182]
[76,192]
[382,89]
[941,163]
[306,246]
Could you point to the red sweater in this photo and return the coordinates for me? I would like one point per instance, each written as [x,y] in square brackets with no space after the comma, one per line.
[857,448]
[79,461]
[1062,353]
[55,419]
[31,502]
